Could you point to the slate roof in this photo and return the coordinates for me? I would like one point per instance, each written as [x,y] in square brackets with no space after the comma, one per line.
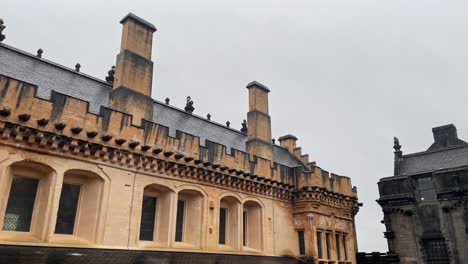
[49,76]
[283,157]
[434,160]
[178,119]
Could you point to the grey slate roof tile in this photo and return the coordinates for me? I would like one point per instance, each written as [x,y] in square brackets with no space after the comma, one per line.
[434,160]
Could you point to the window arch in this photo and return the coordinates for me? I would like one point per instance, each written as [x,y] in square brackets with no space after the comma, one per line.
[229,222]
[189,215]
[80,203]
[25,199]
[155,216]
[252,225]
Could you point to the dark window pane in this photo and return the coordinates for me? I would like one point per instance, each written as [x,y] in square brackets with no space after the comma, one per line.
[319,245]
[68,205]
[327,241]
[180,220]
[300,235]
[345,247]
[20,204]
[148,217]
[436,251]
[222,226]
[244,228]
[338,249]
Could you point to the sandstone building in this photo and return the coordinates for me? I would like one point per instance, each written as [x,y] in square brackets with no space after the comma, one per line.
[425,203]
[88,166]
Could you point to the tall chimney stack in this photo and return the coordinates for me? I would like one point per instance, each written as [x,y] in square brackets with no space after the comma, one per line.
[134,70]
[259,122]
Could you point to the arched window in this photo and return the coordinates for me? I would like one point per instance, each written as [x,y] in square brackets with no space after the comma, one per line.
[79,205]
[189,214]
[252,225]
[155,217]
[229,224]
[25,190]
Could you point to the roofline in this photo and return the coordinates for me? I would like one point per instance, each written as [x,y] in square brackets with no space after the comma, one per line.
[434,151]
[32,56]
[463,167]
[199,117]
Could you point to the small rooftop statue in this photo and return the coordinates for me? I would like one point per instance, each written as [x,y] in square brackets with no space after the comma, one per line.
[208,116]
[396,144]
[110,75]
[167,100]
[2,27]
[244,127]
[189,106]
[77,67]
[39,53]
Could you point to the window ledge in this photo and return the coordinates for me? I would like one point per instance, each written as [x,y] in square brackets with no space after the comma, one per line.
[152,244]
[18,236]
[251,250]
[226,248]
[69,239]
[184,245]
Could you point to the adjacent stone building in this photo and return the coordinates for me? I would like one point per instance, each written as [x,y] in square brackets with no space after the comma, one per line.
[100,172]
[425,203]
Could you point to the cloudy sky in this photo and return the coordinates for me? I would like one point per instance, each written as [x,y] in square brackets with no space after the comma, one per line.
[345,75]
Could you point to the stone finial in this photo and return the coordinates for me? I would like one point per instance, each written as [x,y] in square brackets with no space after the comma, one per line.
[244,127]
[398,156]
[228,124]
[39,53]
[189,106]
[208,116]
[77,67]
[110,75]
[2,27]
[167,100]
[397,146]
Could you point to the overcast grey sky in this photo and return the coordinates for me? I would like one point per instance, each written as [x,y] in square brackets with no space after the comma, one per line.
[345,75]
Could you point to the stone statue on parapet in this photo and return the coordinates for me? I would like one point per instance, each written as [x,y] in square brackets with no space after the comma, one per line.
[244,127]
[110,75]
[189,106]
[2,27]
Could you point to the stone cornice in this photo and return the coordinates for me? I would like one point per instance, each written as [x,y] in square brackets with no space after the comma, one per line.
[317,196]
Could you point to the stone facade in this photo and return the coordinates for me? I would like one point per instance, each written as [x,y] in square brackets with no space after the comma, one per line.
[102,153]
[425,202]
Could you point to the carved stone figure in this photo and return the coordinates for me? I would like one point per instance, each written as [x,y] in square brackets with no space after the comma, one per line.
[110,75]
[244,127]
[189,106]
[2,27]
[396,144]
